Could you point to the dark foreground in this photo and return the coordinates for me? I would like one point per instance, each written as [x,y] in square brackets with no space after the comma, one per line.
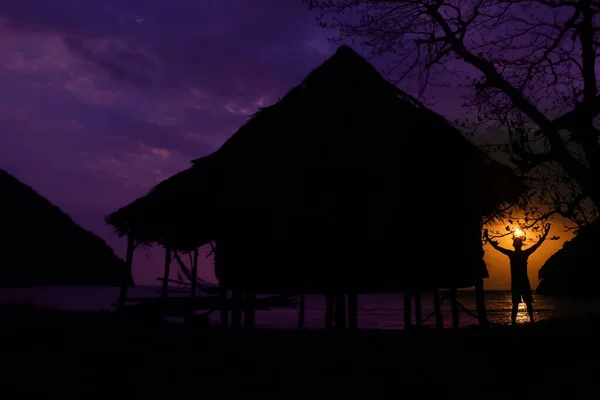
[62,355]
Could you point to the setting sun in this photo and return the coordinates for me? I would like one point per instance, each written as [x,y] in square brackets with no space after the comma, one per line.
[519,233]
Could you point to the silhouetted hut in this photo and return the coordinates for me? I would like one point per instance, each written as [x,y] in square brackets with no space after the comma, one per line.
[346,185]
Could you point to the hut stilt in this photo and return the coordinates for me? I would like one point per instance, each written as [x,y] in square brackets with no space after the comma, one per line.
[353,310]
[480,303]
[418,310]
[194,274]
[249,311]
[340,312]
[224,314]
[407,311]
[223,296]
[437,309]
[301,311]
[127,273]
[329,306]
[454,307]
[165,285]
[236,308]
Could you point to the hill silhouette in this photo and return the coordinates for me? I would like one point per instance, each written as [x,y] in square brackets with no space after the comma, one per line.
[573,270]
[41,245]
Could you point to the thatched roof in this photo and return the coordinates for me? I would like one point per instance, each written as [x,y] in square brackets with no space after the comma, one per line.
[163,215]
[344,155]
[41,245]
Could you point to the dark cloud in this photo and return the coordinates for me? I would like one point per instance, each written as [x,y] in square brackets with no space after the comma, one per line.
[111,60]
[154,135]
[204,43]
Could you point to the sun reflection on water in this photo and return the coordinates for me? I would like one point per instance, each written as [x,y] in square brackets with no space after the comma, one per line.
[522,316]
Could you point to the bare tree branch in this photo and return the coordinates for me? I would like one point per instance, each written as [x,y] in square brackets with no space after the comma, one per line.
[531,77]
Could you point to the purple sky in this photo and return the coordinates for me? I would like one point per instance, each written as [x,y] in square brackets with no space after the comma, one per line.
[103,99]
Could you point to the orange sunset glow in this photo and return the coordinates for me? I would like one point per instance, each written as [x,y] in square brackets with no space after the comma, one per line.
[498,264]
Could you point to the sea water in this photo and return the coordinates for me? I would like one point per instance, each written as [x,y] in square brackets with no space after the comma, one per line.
[375,311]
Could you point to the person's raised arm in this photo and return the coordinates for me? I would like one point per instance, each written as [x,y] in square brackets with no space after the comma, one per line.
[539,243]
[495,244]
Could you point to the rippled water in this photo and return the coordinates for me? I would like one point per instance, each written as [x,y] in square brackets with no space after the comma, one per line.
[385,311]
[382,311]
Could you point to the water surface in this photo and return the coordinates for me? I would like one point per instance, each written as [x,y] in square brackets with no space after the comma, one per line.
[376,311]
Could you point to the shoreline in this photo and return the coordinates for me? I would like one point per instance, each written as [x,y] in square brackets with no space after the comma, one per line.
[93,354]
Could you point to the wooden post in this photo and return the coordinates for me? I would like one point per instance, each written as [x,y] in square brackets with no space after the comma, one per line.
[353,310]
[244,308]
[480,303]
[194,274]
[407,311]
[329,307]
[222,288]
[454,306]
[340,311]
[126,274]
[165,287]
[236,308]
[224,312]
[418,310]
[437,309]
[249,310]
[301,312]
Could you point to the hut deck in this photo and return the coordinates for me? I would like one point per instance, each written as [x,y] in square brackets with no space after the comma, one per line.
[183,306]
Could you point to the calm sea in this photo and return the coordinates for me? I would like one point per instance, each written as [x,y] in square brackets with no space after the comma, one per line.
[381,311]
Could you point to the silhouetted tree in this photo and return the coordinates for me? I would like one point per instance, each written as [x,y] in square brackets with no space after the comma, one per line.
[531,68]
[554,191]
[532,228]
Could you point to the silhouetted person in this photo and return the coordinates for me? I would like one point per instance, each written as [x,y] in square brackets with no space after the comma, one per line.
[519,284]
